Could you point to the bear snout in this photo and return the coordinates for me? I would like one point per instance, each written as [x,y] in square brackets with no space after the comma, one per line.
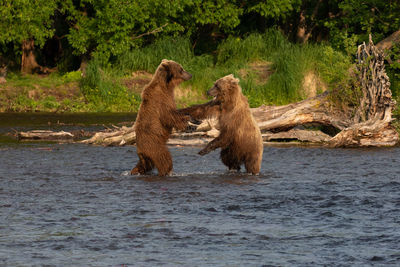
[186,76]
[213,91]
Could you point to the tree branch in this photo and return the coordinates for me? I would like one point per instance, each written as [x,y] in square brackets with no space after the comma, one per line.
[159,29]
[390,41]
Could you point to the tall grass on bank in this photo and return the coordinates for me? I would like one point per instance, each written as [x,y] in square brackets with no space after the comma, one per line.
[104,92]
[149,57]
[288,64]
[235,51]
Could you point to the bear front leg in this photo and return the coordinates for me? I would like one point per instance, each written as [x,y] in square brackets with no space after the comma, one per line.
[202,111]
[214,144]
[178,121]
[183,123]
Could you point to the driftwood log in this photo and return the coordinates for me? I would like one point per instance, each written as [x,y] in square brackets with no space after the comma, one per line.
[315,120]
[45,135]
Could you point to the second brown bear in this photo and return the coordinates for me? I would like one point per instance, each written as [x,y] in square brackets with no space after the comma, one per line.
[157,116]
[240,137]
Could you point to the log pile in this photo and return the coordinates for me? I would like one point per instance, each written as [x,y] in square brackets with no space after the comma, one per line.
[119,137]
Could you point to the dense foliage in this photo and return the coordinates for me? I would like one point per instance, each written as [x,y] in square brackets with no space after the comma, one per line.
[211,36]
[114,26]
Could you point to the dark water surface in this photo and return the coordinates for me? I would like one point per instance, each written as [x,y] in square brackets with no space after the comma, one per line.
[75,205]
[11,122]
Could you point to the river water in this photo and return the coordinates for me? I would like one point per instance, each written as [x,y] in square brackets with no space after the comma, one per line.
[76,205]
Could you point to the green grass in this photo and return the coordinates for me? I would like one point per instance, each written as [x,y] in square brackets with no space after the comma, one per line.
[149,57]
[103,91]
[289,64]
[49,81]
[102,88]
[29,93]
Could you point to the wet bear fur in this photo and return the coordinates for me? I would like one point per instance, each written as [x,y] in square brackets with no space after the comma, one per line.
[157,116]
[240,137]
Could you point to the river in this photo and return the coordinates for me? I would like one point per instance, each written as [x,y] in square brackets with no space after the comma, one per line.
[76,205]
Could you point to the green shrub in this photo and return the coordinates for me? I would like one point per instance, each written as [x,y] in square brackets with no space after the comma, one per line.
[50,103]
[24,103]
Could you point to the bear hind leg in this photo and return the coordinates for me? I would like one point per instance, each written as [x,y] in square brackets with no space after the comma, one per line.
[163,162]
[229,159]
[253,165]
[144,165]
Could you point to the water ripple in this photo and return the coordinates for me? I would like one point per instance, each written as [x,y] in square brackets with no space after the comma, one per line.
[77,205]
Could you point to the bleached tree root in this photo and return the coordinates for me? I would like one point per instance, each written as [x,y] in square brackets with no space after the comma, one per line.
[372,120]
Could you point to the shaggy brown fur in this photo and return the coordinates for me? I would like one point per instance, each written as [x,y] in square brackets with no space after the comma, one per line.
[240,138]
[157,116]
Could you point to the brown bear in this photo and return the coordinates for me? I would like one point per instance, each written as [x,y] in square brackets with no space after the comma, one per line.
[240,138]
[157,116]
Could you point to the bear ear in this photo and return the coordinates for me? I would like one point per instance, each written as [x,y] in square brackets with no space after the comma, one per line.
[233,79]
[165,64]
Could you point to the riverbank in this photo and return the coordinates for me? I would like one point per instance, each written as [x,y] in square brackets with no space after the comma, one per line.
[269,75]
[272,71]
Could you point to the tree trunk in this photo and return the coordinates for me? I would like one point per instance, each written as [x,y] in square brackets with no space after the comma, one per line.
[388,42]
[305,28]
[28,63]
[315,110]
[301,35]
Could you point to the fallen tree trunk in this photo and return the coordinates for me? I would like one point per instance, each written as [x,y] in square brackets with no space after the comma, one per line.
[317,110]
[390,41]
[45,135]
[368,124]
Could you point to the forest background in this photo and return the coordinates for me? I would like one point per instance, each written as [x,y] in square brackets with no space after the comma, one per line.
[96,55]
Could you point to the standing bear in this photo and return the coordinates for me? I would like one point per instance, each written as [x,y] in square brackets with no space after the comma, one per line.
[157,116]
[240,138]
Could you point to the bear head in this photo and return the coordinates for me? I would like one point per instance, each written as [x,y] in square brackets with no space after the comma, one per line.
[225,89]
[172,72]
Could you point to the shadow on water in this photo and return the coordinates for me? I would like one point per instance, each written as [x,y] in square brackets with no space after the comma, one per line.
[226,177]
[70,204]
